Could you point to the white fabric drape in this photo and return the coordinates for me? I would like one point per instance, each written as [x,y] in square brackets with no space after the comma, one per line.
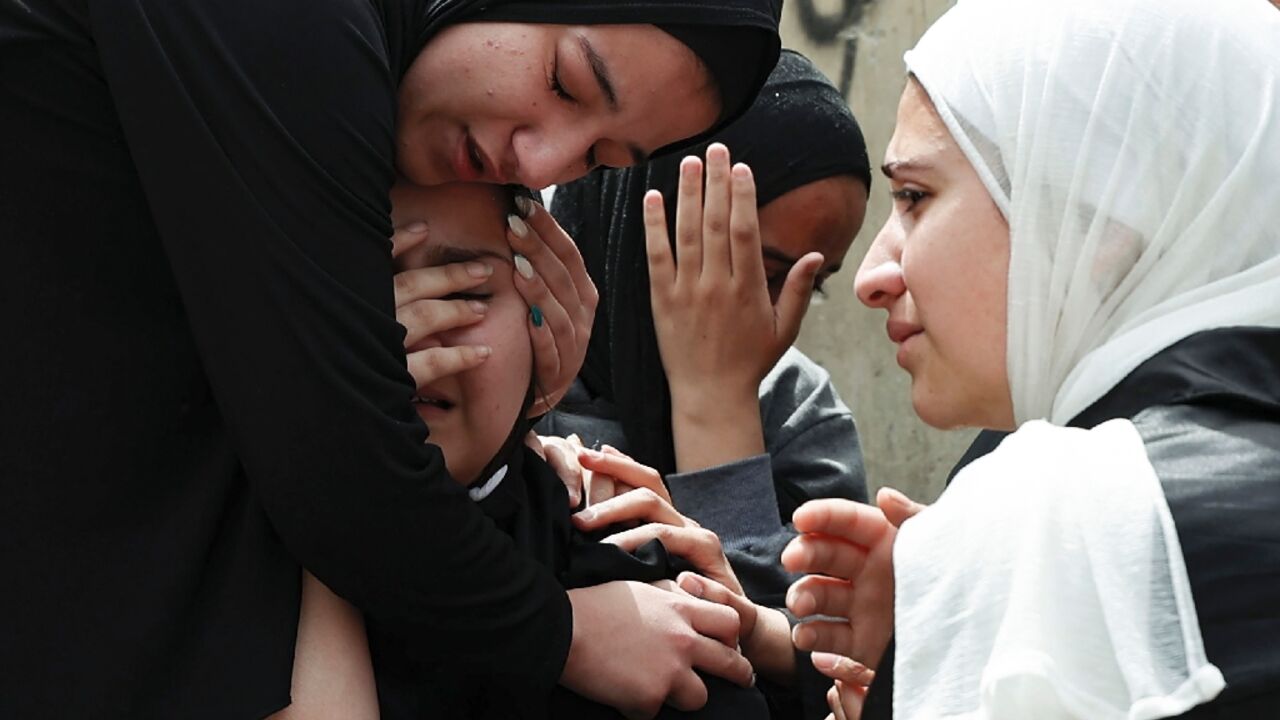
[1134,148]
[1048,583]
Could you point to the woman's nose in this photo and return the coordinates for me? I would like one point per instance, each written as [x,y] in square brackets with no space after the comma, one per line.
[879,280]
[548,158]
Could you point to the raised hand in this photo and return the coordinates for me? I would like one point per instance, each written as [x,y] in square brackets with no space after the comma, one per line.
[718,332]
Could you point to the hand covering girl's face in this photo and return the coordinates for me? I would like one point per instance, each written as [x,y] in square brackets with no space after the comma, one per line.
[542,104]
[940,267]
[471,414]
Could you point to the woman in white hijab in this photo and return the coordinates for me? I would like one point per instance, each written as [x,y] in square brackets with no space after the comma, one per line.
[1084,248]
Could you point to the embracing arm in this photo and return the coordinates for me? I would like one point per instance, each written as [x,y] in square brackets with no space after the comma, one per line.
[263,136]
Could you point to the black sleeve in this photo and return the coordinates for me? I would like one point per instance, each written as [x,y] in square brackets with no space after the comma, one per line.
[262,133]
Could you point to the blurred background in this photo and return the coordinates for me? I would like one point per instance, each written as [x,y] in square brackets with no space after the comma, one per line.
[859,45]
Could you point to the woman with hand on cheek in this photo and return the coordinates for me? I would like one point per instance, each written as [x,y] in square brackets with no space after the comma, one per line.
[1081,252]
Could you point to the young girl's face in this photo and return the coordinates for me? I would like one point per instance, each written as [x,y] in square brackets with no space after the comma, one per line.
[471,414]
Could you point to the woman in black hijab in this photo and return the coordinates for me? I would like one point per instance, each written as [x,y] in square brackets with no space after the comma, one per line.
[206,383]
[772,444]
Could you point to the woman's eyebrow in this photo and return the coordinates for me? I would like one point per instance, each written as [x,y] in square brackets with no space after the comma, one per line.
[892,168]
[601,72]
[446,254]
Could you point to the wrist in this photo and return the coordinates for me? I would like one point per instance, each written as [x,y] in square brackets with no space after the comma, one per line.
[768,646]
[712,431]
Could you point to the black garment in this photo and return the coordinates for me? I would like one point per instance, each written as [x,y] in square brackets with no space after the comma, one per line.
[1208,411]
[532,507]
[799,131]
[204,381]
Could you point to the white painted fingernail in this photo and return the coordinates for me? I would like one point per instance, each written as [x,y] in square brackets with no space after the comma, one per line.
[522,265]
[524,205]
[517,226]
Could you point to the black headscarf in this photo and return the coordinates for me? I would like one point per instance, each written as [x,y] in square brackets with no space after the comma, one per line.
[799,130]
[737,40]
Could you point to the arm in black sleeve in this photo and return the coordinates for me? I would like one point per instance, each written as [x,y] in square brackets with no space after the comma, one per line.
[263,135]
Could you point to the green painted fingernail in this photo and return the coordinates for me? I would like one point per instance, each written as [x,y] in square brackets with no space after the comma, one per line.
[535,314]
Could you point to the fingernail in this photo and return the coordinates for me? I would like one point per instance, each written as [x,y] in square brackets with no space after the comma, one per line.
[524,205]
[587,515]
[479,269]
[823,661]
[535,314]
[591,453]
[522,265]
[693,586]
[517,226]
[478,307]
[753,679]
[416,226]
[484,351]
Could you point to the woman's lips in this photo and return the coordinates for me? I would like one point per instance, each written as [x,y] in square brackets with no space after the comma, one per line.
[900,330]
[901,333]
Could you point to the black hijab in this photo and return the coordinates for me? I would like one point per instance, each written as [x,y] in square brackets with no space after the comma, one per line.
[737,40]
[799,130]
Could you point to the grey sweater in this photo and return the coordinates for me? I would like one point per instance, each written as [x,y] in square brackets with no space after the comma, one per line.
[811,452]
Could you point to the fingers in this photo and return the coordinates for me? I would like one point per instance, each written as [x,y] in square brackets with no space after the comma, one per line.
[819,595]
[601,489]
[427,366]
[793,300]
[662,266]
[823,555]
[408,236]
[688,693]
[534,443]
[563,247]
[423,318]
[845,519]
[563,459]
[717,592]
[824,636]
[624,470]
[641,505]
[846,700]
[714,621]
[700,547]
[552,278]
[689,222]
[439,281]
[839,667]
[897,508]
[715,214]
[744,229]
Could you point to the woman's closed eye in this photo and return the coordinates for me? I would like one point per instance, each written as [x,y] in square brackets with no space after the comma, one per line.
[555,83]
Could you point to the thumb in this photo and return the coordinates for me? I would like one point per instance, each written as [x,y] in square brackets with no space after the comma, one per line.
[793,301]
[897,508]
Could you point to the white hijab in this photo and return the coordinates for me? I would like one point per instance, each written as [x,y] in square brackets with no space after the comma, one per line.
[1134,148]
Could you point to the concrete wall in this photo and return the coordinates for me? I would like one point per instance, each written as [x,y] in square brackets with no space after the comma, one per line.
[859,45]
